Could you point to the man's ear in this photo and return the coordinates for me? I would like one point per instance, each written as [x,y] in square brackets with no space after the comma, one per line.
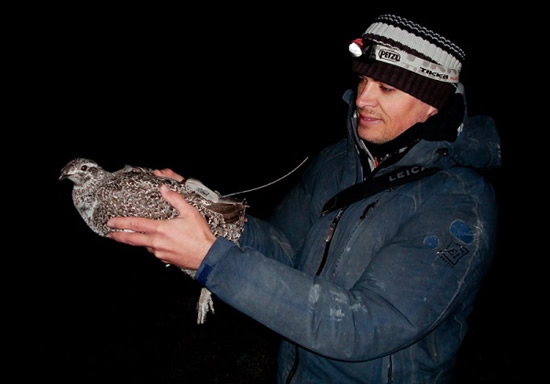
[445,122]
[431,111]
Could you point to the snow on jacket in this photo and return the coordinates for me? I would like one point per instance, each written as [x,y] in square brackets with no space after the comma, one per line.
[390,303]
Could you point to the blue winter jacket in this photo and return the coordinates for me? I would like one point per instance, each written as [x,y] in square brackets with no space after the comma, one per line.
[390,303]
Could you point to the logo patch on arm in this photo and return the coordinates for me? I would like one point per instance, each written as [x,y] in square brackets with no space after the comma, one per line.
[452,253]
[455,251]
[461,231]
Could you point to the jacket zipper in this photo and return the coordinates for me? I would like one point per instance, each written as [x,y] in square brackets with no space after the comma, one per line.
[390,369]
[294,365]
[328,240]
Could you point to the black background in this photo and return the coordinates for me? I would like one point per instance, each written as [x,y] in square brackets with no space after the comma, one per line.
[236,98]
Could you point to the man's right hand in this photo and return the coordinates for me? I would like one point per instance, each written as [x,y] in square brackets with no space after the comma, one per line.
[167,172]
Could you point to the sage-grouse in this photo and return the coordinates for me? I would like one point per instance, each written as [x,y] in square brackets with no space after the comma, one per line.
[99,195]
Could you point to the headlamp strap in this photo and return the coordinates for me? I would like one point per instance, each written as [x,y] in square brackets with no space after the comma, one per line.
[404,60]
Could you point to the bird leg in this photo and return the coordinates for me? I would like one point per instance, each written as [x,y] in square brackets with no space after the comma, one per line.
[204,305]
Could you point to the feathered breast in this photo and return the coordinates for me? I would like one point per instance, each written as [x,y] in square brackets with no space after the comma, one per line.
[133,192]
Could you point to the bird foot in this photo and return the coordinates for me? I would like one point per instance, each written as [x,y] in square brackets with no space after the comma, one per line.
[204,305]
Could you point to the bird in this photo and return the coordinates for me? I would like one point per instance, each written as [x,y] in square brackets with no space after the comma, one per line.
[99,195]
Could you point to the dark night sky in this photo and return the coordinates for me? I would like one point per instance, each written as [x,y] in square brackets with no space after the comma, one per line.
[234,102]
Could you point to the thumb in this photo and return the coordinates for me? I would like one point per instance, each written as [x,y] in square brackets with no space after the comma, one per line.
[175,199]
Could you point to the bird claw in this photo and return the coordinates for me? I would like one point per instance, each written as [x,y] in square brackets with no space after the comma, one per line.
[204,305]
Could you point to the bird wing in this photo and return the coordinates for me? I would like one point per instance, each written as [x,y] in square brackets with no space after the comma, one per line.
[135,191]
[132,192]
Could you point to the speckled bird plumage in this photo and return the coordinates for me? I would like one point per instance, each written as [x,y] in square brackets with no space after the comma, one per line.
[99,195]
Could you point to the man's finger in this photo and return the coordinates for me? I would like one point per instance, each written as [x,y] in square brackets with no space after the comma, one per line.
[167,172]
[136,224]
[131,238]
[175,199]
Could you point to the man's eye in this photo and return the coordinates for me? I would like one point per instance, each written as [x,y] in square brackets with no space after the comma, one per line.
[386,89]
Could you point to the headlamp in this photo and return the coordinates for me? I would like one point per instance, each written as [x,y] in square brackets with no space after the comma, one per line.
[389,55]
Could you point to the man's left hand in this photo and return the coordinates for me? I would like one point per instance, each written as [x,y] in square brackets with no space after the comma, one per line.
[183,241]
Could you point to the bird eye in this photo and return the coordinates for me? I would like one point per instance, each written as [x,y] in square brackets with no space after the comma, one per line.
[84,167]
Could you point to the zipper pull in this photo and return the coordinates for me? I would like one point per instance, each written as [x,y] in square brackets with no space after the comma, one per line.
[332,227]
[328,238]
[330,232]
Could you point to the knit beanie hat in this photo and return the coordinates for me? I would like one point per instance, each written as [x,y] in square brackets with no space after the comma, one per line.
[412,58]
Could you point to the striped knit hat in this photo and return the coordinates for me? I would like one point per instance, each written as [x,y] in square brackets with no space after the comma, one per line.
[412,58]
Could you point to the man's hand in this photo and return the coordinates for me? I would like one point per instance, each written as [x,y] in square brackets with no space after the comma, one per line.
[183,241]
[167,172]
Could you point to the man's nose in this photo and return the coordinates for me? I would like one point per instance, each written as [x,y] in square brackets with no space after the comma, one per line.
[366,95]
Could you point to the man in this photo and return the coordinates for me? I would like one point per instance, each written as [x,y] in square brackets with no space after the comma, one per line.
[374,284]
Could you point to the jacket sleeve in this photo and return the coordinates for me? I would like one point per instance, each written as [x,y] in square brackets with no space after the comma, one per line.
[416,279]
[283,234]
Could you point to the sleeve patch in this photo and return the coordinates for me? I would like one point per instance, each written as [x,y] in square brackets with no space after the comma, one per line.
[431,241]
[453,253]
[462,231]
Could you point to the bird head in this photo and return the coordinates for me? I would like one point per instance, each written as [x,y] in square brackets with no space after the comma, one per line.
[80,171]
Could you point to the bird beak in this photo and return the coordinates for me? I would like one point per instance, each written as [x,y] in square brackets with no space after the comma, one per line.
[63,176]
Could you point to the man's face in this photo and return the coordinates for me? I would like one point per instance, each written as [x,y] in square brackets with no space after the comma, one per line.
[384,112]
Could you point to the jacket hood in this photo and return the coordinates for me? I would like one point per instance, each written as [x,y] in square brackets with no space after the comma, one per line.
[477,144]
